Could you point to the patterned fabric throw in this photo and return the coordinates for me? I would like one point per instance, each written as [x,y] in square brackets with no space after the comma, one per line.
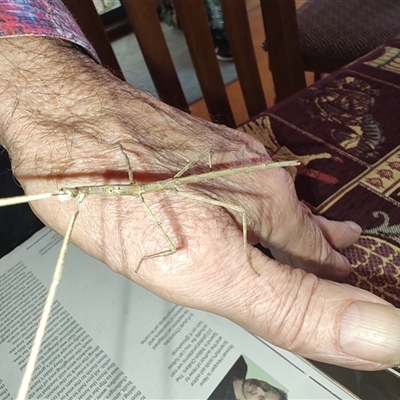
[345,130]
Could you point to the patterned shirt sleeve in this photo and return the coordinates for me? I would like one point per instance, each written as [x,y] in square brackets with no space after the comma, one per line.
[42,18]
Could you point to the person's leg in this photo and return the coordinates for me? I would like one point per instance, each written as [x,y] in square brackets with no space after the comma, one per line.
[218,32]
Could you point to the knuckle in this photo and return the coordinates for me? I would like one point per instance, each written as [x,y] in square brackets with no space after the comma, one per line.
[291,325]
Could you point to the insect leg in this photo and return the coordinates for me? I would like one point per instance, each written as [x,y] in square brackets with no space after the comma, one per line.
[172,247]
[228,206]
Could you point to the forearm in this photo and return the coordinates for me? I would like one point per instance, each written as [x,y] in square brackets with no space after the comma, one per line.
[39,42]
[44,80]
[53,95]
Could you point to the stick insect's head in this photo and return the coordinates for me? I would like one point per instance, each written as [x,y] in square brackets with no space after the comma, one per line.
[68,193]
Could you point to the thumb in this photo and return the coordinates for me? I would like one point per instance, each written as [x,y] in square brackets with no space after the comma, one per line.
[322,320]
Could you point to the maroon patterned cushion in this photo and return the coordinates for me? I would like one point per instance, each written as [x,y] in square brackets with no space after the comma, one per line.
[346,29]
[345,131]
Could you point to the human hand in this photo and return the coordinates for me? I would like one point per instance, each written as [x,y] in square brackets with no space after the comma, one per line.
[63,118]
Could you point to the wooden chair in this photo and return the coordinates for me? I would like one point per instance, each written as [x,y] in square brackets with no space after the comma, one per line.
[323,36]
[193,19]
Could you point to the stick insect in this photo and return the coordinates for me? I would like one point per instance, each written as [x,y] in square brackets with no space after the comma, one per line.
[137,190]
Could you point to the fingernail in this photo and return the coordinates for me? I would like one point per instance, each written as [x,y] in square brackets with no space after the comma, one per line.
[355,227]
[371,332]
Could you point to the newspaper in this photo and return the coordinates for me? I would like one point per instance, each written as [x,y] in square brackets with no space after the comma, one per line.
[109,338]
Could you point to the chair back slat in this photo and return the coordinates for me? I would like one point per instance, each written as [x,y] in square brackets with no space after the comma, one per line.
[285,56]
[89,21]
[146,25]
[193,19]
[238,28]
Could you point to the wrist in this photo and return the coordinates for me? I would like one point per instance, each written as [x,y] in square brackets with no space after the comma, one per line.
[44,82]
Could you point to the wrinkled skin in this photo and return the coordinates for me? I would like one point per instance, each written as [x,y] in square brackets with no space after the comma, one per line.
[62,118]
